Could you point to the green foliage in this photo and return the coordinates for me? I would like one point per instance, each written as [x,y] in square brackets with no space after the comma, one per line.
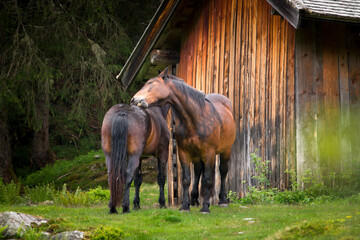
[108,233]
[98,195]
[78,198]
[9,193]
[167,217]
[261,170]
[2,230]
[40,193]
[32,234]
[304,229]
[62,169]
[61,58]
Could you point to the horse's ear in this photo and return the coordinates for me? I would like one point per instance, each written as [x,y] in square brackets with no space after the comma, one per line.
[165,72]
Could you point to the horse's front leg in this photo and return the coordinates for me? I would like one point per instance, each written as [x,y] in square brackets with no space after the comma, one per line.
[186,179]
[133,164]
[208,179]
[137,184]
[198,167]
[162,160]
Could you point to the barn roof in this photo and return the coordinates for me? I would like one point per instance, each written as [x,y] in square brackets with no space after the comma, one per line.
[164,30]
[338,10]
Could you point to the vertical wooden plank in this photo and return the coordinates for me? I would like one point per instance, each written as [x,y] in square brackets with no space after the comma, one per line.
[252,76]
[209,84]
[290,102]
[257,32]
[246,90]
[217,25]
[331,97]
[205,42]
[222,59]
[305,97]
[345,141]
[354,90]
[170,176]
[265,15]
[238,90]
[282,82]
[198,59]
[229,78]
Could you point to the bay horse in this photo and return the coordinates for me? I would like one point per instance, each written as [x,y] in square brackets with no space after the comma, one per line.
[205,127]
[128,131]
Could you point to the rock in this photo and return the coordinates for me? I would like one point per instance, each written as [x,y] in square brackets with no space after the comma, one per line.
[74,235]
[16,220]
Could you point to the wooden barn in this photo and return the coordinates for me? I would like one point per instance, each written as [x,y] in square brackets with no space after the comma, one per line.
[288,67]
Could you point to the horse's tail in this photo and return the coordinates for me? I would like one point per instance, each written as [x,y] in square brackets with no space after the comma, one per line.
[118,157]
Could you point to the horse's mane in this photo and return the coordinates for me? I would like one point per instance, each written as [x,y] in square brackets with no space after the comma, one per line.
[197,96]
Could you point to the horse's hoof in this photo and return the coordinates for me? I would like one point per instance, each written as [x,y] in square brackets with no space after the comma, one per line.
[126,210]
[136,208]
[163,207]
[113,211]
[223,204]
[205,210]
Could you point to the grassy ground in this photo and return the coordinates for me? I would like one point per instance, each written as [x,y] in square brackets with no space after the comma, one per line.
[338,219]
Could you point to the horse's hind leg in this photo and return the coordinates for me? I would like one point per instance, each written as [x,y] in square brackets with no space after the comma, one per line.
[224,159]
[112,206]
[198,167]
[161,178]
[133,164]
[137,184]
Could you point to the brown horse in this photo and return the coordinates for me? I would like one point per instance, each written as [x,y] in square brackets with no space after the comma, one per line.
[205,128]
[127,132]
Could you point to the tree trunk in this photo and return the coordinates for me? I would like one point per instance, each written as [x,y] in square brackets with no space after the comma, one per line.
[6,167]
[41,152]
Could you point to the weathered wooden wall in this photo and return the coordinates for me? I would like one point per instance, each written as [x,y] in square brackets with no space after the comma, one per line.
[238,49]
[328,98]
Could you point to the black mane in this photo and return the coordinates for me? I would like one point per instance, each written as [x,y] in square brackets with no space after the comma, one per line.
[190,92]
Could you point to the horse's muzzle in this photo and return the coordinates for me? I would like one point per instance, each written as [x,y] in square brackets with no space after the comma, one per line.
[140,102]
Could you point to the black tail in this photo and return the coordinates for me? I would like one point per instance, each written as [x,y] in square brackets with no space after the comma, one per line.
[118,157]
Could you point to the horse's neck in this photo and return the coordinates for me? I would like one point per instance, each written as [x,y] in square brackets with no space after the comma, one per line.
[188,111]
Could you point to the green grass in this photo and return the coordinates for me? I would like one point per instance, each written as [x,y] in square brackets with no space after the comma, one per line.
[85,171]
[336,219]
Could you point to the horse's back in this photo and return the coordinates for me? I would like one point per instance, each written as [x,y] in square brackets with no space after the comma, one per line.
[137,126]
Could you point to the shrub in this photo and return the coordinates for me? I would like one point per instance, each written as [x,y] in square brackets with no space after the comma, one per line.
[78,198]
[9,193]
[261,170]
[108,233]
[98,195]
[40,193]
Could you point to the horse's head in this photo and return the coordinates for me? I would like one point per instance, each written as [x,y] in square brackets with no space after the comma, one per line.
[155,92]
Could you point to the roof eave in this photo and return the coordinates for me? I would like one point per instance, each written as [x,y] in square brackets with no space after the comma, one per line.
[146,42]
[288,10]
